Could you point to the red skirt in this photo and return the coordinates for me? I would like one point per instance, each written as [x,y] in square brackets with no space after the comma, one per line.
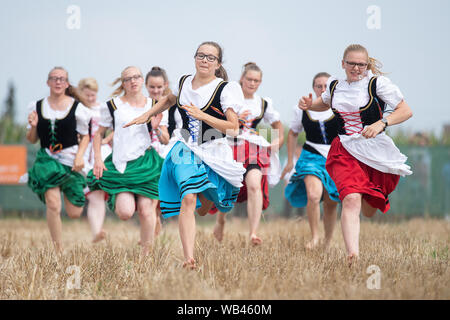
[252,156]
[352,176]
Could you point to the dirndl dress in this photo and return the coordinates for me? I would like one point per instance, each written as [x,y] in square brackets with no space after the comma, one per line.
[309,163]
[48,173]
[208,168]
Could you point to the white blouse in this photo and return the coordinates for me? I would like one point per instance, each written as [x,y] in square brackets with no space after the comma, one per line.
[217,153]
[380,152]
[254,105]
[296,126]
[82,115]
[128,143]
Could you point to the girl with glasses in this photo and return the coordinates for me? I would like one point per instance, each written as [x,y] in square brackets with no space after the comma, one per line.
[363,161]
[260,158]
[131,173]
[310,182]
[56,121]
[199,169]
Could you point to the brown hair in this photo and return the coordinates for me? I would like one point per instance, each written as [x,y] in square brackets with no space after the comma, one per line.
[89,83]
[250,66]
[373,64]
[121,89]
[221,72]
[71,91]
[320,75]
[157,72]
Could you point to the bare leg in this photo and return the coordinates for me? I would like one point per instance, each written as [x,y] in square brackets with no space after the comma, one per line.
[73,211]
[186,226]
[314,190]
[125,205]
[96,214]
[158,221]
[53,210]
[254,202]
[351,207]
[367,210]
[206,205]
[147,218]
[220,225]
[329,217]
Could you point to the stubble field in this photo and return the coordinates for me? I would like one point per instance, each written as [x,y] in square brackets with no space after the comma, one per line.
[410,260]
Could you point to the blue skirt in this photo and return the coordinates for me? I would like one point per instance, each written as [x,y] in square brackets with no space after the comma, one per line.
[183,173]
[309,164]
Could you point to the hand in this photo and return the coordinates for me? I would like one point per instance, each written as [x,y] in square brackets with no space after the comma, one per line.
[194,112]
[305,102]
[99,166]
[373,130]
[243,116]
[287,169]
[33,119]
[156,121]
[139,120]
[78,164]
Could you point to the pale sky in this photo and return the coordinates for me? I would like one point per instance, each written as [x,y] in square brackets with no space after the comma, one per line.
[290,40]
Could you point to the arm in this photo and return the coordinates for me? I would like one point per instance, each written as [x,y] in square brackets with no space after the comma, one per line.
[307,103]
[108,138]
[163,104]
[164,135]
[78,163]
[32,135]
[292,139]
[277,143]
[99,166]
[401,113]
[229,126]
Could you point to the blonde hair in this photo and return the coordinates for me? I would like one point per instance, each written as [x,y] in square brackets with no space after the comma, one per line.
[121,89]
[373,64]
[71,91]
[250,66]
[88,83]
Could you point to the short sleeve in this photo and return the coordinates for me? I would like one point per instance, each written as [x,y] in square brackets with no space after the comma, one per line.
[232,97]
[271,115]
[326,95]
[165,118]
[30,108]
[83,116]
[388,92]
[106,119]
[296,122]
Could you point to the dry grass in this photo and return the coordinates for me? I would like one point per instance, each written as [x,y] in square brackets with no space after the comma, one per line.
[413,257]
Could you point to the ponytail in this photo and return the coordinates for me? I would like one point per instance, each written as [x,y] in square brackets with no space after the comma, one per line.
[73,92]
[118,90]
[221,73]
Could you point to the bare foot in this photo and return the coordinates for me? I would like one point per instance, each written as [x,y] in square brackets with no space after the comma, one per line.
[352,259]
[256,241]
[218,231]
[146,249]
[312,244]
[99,236]
[190,264]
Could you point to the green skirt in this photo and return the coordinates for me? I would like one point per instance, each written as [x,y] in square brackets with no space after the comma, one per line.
[140,177]
[48,173]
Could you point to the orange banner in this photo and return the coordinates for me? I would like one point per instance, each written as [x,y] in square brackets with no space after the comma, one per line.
[13,163]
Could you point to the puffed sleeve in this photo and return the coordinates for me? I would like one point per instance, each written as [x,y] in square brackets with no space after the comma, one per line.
[30,108]
[232,97]
[326,95]
[83,116]
[165,118]
[296,122]
[106,119]
[388,92]
[271,115]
